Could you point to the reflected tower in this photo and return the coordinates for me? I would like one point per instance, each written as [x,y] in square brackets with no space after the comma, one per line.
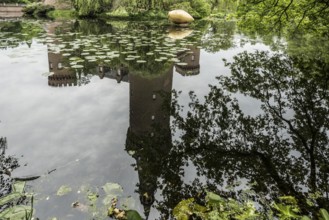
[149,136]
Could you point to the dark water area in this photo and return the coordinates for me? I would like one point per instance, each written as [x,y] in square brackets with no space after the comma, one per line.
[88,106]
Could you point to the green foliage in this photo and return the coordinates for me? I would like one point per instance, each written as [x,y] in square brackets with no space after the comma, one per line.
[19,212]
[14,210]
[202,7]
[285,14]
[219,208]
[62,14]
[37,10]
[118,12]
[133,215]
[324,215]
[287,208]
[197,8]
[148,15]
[91,8]
[216,208]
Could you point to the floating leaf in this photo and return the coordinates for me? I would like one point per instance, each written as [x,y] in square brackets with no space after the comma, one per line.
[74,58]
[112,190]
[19,186]
[19,212]
[10,197]
[324,214]
[92,197]
[63,190]
[182,210]
[77,66]
[133,215]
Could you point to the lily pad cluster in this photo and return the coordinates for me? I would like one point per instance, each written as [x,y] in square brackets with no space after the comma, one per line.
[108,200]
[132,48]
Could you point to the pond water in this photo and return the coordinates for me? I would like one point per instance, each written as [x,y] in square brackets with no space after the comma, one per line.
[83,104]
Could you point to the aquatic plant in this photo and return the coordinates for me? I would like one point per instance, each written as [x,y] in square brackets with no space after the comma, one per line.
[14,202]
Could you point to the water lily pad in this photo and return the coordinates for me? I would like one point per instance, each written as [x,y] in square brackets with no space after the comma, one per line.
[48,74]
[133,215]
[92,197]
[19,212]
[112,188]
[63,190]
[175,60]
[10,197]
[19,186]
[74,58]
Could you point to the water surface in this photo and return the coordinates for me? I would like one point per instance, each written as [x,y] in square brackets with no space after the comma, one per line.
[83,104]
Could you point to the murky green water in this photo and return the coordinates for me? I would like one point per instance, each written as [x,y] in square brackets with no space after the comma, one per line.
[84,103]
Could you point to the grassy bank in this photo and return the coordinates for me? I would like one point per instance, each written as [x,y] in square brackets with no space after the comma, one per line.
[62,14]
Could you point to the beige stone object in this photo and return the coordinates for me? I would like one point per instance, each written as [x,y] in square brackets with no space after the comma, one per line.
[180,17]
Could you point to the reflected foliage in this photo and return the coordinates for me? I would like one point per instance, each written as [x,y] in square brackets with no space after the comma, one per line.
[219,36]
[13,34]
[12,197]
[283,150]
[7,164]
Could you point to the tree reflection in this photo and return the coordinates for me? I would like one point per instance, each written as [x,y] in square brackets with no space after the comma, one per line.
[7,165]
[218,36]
[284,149]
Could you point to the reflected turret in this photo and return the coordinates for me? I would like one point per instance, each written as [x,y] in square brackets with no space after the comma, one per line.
[191,62]
[61,76]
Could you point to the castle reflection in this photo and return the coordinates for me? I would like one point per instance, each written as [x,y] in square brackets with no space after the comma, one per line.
[148,136]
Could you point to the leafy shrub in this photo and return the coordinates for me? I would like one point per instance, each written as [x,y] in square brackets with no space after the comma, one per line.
[37,9]
[202,7]
[91,8]
[186,6]
[197,8]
